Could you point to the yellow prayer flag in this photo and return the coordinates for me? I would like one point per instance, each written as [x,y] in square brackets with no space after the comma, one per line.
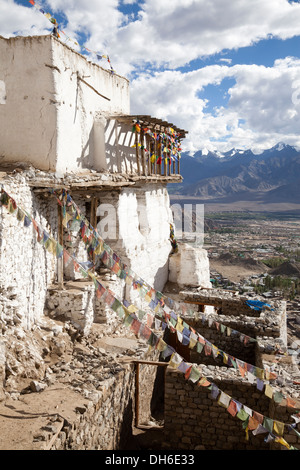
[269,391]
[193,342]
[52,247]
[282,442]
[175,361]
[260,373]
[161,345]
[225,358]
[98,249]
[66,219]
[132,308]
[204,382]
[278,427]
[179,327]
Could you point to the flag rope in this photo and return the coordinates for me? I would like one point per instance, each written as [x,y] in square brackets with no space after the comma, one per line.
[251,419]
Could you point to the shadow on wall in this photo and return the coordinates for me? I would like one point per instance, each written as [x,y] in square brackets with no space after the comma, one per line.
[120,155]
[161,277]
[126,426]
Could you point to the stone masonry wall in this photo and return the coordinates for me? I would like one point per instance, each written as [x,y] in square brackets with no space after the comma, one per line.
[105,423]
[26,268]
[194,420]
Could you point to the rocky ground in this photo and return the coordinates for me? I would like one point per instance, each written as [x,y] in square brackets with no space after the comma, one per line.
[51,374]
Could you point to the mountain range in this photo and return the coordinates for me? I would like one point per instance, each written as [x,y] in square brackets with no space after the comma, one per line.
[273,175]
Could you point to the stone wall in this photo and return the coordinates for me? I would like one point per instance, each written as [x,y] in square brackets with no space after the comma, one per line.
[194,420]
[26,268]
[232,311]
[106,423]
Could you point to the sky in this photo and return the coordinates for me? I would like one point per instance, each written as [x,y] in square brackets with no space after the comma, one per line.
[226,71]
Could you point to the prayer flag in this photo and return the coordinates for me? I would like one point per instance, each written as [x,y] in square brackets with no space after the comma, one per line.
[195,374]
[259,430]
[268,424]
[242,415]
[204,382]
[214,391]
[187,373]
[278,427]
[232,408]
[259,417]
[269,391]
[183,367]
[224,400]
[290,402]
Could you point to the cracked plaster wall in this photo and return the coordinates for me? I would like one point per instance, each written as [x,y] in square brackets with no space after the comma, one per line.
[28,114]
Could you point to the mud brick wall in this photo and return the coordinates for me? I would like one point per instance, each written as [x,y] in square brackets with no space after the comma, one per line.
[195,421]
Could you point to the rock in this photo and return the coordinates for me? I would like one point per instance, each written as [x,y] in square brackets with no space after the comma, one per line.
[37,386]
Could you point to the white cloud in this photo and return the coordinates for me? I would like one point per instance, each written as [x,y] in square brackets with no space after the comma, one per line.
[174,33]
[19,20]
[260,109]
[263,106]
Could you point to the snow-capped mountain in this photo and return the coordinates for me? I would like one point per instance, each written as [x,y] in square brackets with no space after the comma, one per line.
[209,175]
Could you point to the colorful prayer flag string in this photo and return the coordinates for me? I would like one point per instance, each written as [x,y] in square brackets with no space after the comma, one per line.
[186,334]
[56,32]
[252,420]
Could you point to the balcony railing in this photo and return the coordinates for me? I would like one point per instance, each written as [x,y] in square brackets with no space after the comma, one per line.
[157,145]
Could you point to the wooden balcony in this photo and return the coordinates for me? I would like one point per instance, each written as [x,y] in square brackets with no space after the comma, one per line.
[157,146]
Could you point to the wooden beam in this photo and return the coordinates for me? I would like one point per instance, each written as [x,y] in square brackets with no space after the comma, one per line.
[196,302]
[60,261]
[142,137]
[92,88]
[151,363]
[94,206]
[137,392]
[137,152]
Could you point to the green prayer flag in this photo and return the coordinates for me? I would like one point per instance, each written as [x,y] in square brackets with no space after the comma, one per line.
[195,374]
[242,415]
[277,397]
[268,424]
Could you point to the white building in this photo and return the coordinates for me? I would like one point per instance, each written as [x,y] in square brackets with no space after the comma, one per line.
[69,120]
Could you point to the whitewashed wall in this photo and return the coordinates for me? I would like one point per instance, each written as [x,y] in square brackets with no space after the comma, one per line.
[27,109]
[78,104]
[47,113]
[142,232]
[26,268]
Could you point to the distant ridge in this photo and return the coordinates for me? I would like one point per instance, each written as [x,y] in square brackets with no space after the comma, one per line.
[287,269]
[273,175]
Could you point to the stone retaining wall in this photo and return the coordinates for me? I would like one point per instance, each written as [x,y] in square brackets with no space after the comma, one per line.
[194,420]
[106,423]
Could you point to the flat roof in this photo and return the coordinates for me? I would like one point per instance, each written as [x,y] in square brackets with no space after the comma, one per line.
[149,121]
